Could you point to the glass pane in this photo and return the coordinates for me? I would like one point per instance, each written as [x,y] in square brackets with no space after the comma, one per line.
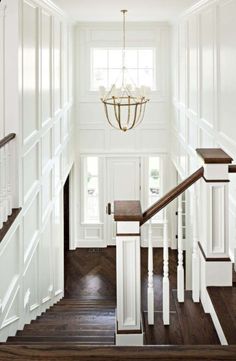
[100,58]
[154,184]
[131,58]
[133,76]
[115,59]
[115,76]
[145,58]
[154,177]
[99,78]
[146,77]
[92,190]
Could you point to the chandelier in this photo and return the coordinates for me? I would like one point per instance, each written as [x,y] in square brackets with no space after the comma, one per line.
[124,102]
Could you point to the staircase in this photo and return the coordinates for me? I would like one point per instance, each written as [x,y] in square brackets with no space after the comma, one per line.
[70,322]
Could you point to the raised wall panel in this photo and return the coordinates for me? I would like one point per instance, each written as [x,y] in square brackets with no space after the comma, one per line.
[207,39]
[29,68]
[153,140]
[46,148]
[31,229]
[121,141]
[46,261]
[31,280]
[182,63]
[193,63]
[57,134]
[46,192]
[91,140]
[227,74]
[46,26]
[57,65]
[9,266]
[30,170]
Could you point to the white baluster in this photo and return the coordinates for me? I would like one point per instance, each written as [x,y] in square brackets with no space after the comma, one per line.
[166,287]
[4,186]
[180,268]
[150,295]
[195,256]
[9,176]
[1,188]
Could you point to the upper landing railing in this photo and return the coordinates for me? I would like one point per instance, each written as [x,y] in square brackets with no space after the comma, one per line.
[7,212]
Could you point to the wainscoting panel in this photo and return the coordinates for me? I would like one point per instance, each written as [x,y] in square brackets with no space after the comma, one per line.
[210,89]
[31,254]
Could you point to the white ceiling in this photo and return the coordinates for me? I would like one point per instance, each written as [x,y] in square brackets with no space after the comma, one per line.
[139,10]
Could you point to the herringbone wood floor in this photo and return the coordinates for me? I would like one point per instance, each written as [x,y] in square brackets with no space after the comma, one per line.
[91,274]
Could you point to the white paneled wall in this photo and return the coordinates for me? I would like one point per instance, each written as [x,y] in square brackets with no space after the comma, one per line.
[204,88]
[152,135]
[95,136]
[31,254]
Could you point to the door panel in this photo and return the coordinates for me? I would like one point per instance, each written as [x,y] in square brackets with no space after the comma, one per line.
[123,184]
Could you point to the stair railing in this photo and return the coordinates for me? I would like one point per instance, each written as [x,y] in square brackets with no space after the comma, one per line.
[147,216]
[6,188]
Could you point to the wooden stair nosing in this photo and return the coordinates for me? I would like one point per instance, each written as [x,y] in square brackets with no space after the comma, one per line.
[66,352]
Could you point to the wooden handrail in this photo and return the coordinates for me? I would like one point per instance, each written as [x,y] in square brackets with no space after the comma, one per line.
[7,139]
[170,196]
[232,168]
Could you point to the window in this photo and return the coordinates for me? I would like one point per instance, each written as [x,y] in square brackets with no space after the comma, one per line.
[154,183]
[91,190]
[107,63]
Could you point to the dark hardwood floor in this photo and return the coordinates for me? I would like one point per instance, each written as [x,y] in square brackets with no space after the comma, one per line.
[82,323]
[91,274]
[224,302]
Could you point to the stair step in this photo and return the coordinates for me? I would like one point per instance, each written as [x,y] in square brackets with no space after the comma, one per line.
[60,333]
[224,303]
[68,327]
[67,339]
[65,351]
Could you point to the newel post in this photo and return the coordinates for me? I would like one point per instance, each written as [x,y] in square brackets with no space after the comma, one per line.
[129,330]
[215,264]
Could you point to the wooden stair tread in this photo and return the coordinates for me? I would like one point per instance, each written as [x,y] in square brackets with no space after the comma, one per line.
[77,339]
[224,303]
[63,324]
[60,333]
[196,326]
[52,352]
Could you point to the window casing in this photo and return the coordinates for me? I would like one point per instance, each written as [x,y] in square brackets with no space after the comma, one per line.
[106,65]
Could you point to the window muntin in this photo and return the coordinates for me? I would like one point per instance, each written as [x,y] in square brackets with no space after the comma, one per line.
[91,190]
[106,66]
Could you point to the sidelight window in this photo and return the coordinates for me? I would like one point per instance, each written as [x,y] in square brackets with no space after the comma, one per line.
[91,190]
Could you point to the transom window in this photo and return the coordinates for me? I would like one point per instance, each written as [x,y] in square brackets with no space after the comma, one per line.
[106,65]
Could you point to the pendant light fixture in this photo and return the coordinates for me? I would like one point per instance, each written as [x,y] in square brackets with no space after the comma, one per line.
[124,102]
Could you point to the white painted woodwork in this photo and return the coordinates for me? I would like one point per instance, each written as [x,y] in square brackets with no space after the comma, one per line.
[195,255]
[33,168]
[128,285]
[208,110]
[166,283]
[180,268]
[123,183]
[214,218]
[6,189]
[150,290]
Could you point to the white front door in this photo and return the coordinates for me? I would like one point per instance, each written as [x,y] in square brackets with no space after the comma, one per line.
[123,184]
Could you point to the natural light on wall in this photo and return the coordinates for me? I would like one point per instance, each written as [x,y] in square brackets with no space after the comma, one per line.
[107,64]
[91,190]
